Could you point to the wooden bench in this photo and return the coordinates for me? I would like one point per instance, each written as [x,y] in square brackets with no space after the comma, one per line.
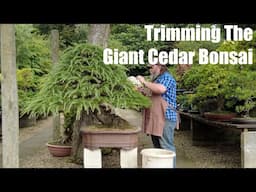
[201,130]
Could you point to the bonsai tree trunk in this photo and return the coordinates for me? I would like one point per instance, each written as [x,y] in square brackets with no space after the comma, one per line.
[106,117]
[220,103]
[249,104]
[77,147]
[98,35]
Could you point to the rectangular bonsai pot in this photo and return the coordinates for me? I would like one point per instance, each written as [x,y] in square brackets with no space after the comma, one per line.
[125,139]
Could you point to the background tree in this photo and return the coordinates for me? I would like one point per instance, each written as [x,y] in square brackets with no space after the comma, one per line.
[33,61]
[69,33]
[55,59]
[133,37]
[10,112]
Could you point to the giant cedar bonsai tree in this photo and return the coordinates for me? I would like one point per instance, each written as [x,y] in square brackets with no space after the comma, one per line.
[86,89]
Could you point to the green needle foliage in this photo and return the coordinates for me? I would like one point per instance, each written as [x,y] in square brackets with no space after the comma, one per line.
[82,82]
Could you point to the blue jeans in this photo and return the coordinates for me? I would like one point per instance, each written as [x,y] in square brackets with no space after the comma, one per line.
[167,139]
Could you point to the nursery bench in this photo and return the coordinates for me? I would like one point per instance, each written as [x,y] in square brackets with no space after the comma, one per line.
[202,130]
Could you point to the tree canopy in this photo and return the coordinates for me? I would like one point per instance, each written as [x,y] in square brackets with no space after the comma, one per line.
[81,82]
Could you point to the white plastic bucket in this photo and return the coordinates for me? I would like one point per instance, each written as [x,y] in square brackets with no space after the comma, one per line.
[157,158]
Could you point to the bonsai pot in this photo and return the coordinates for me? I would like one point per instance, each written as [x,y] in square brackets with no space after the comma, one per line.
[219,116]
[59,150]
[116,138]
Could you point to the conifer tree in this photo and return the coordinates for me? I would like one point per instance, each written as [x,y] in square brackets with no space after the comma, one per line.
[82,83]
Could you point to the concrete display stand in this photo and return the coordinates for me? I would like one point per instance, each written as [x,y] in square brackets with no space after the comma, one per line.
[94,140]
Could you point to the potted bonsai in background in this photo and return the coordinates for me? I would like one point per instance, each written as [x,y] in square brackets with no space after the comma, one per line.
[246,95]
[63,145]
[244,82]
[244,111]
[213,88]
[88,90]
[223,86]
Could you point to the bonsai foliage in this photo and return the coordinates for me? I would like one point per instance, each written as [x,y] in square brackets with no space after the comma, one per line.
[232,85]
[245,78]
[245,92]
[210,82]
[81,82]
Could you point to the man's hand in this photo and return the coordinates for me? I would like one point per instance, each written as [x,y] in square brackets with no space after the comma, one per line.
[156,88]
[141,79]
[141,90]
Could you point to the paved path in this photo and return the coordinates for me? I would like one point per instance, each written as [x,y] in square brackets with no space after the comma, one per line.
[34,143]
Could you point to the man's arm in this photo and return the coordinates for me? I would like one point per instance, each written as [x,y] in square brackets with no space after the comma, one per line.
[154,87]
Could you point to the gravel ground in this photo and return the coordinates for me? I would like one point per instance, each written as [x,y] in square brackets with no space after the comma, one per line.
[212,156]
[220,156]
[28,132]
[43,159]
